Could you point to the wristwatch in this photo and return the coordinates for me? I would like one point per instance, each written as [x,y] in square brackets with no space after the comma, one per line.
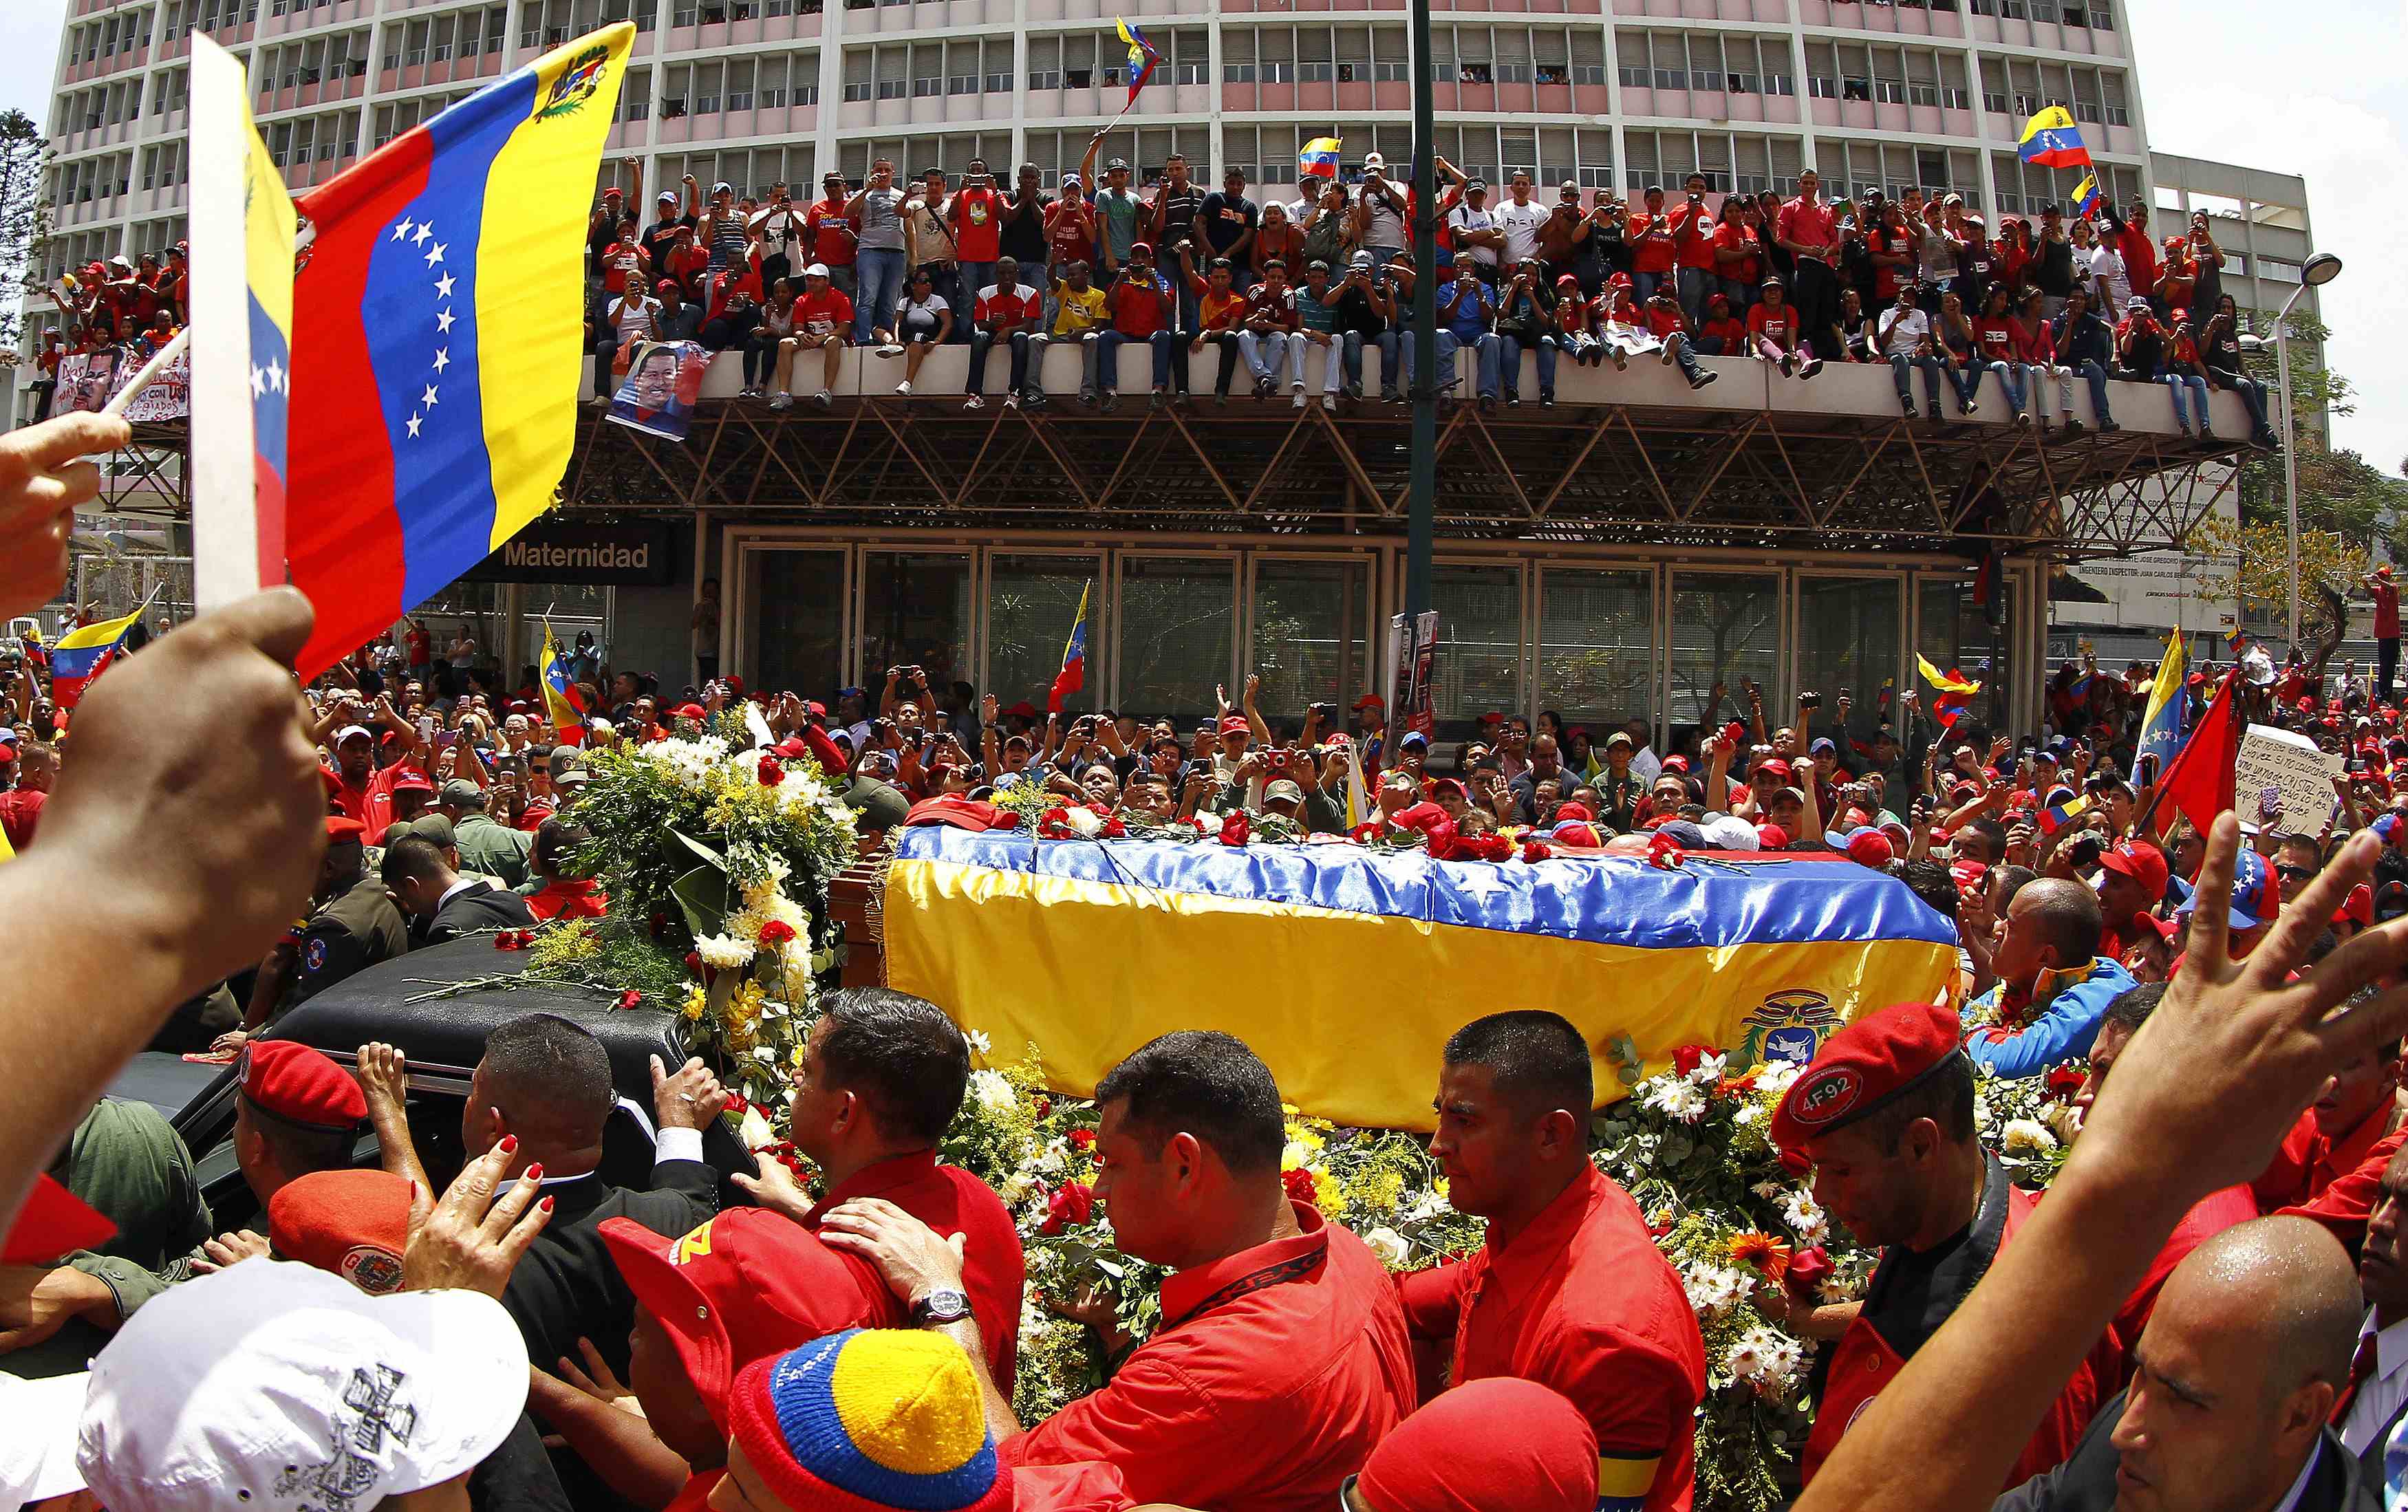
[940,1307]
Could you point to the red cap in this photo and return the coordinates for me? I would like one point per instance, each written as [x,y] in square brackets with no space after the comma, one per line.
[1235,724]
[1023,710]
[412,782]
[339,828]
[2358,907]
[1771,836]
[952,808]
[748,1285]
[53,1222]
[1492,716]
[1862,1067]
[354,1223]
[1523,1445]
[1870,847]
[1778,768]
[793,748]
[1370,701]
[1573,810]
[2144,864]
[301,1085]
[689,711]
[1968,874]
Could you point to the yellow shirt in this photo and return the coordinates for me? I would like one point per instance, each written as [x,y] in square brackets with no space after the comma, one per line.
[1079,311]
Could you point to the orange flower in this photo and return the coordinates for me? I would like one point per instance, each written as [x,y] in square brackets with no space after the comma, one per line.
[1767,1256]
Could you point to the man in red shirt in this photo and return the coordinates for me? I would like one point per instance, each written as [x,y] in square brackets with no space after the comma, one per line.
[882,1074]
[1885,1113]
[823,323]
[1281,1360]
[1809,230]
[829,232]
[1774,331]
[21,806]
[1006,311]
[1693,249]
[2385,594]
[2337,1135]
[975,215]
[1142,304]
[1569,1289]
[1652,255]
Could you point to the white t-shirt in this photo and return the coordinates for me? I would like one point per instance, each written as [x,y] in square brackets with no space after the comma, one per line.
[1522,223]
[2108,263]
[1464,218]
[633,316]
[1902,333]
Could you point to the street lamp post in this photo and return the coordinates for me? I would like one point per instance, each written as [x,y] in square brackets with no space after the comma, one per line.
[2320,268]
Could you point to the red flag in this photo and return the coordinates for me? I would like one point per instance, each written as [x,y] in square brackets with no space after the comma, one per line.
[2199,782]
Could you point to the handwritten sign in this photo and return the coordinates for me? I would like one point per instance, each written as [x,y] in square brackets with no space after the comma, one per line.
[2295,771]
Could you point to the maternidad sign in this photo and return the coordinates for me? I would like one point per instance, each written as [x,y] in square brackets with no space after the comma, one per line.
[2290,768]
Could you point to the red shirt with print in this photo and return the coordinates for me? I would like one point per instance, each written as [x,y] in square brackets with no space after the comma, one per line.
[1277,305]
[1778,326]
[830,234]
[1651,242]
[1692,247]
[1140,306]
[823,314]
[998,306]
[620,260]
[1994,338]
[978,225]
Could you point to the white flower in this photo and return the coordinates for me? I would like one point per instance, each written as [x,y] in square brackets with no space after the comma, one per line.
[1775,1077]
[1388,1245]
[992,1092]
[756,1130]
[1676,1098]
[1805,1217]
[723,953]
[1745,1360]
[1982,1115]
[979,1045]
[1713,1289]
[2027,1137]
[1083,821]
[1749,1113]
[1297,1155]
[1710,1070]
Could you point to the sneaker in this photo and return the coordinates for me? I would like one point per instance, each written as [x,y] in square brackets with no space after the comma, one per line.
[2184,426]
[1300,396]
[1390,396]
[1154,400]
[1107,403]
[782,401]
[1703,378]
[2072,429]
[1088,398]
[904,388]
[1621,360]
[2108,427]
[1354,391]
[1667,357]
[824,399]
[2266,440]
[1035,399]
[1263,387]
[1933,415]
[1296,385]
[1546,398]
[1011,401]
[1488,404]
[1966,406]
[974,402]
[1813,365]
[890,350]
[1907,402]
[747,391]
[2204,434]
[1788,365]
[1397,398]
[1182,399]
[2022,421]
[1513,400]
[1329,402]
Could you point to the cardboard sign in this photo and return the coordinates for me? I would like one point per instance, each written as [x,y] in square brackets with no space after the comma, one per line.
[2290,767]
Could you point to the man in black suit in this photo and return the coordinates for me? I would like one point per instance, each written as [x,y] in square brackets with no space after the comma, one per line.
[545,1082]
[441,904]
[2236,1376]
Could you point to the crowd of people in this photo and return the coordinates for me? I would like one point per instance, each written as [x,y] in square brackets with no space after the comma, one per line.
[1922,284]
[2203,1313]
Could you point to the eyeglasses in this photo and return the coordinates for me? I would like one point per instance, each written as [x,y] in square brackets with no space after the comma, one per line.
[2295,873]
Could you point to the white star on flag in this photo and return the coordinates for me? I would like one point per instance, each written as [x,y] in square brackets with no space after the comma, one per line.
[443,321]
[424,231]
[428,397]
[1479,879]
[443,288]
[414,423]
[435,254]
[258,381]
[401,229]
[276,374]
[442,358]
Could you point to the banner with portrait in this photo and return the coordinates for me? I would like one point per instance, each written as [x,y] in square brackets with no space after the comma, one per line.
[664,379]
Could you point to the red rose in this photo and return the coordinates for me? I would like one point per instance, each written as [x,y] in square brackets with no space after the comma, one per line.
[630,998]
[1114,828]
[777,932]
[1535,851]
[1055,824]
[1082,1138]
[694,962]
[771,774]
[737,1105]
[1688,1057]
[1795,1163]
[1807,1270]
[1300,1188]
[1664,851]
[1235,828]
[1066,1205]
[1045,1107]
[2064,1081]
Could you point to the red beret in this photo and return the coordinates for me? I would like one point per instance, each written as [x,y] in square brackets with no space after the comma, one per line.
[354,1223]
[956,812]
[300,1085]
[1862,1067]
[339,828]
[1870,847]
[1523,1445]
[1574,810]
[51,1222]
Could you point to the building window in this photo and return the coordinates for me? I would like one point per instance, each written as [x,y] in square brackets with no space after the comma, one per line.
[998,83]
[1633,75]
[890,89]
[1042,79]
[2118,116]
[1583,73]
[1821,88]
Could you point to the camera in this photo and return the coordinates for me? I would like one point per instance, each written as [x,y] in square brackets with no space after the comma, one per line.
[1810,700]
[2085,851]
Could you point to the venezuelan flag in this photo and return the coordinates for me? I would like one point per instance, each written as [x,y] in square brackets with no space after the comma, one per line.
[1319,158]
[1950,681]
[2086,197]
[1142,59]
[563,705]
[1073,675]
[440,336]
[2051,140]
[81,655]
[1023,940]
[2054,816]
[2162,724]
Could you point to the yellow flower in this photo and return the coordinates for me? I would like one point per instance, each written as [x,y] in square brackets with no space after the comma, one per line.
[1327,1194]
[696,1000]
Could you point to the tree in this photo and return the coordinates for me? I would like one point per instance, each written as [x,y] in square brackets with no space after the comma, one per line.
[2330,565]
[25,213]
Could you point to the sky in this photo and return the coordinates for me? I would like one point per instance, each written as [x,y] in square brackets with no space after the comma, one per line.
[2321,92]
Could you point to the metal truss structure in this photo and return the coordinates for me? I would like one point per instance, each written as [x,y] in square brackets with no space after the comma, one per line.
[1614,474]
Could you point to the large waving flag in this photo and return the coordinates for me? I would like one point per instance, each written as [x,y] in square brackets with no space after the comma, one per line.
[1319,158]
[563,701]
[242,235]
[439,337]
[81,655]
[2201,782]
[1022,937]
[1142,59]
[2161,725]
[2086,197]
[1955,688]
[2051,140]
[1073,675]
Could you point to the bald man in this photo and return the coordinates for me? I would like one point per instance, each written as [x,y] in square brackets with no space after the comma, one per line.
[2236,1378]
[2054,983]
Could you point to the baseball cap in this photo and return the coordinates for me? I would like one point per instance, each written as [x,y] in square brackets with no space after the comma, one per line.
[817,270]
[1771,837]
[1373,159]
[1119,164]
[956,812]
[723,187]
[301,1085]
[1360,259]
[2257,894]
[1235,724]
[1870,847]
[665,197]
[748,1285]
[435,828]
[2359,908]
[278,1387]
[350,732]
[1413,737]
[351,1223]
[412,781]
[38,1454]
[1863,1067]
[1370,701]
[1282,791]
[462,794]
[871,1418]
[2144,864]
[1140,249]
[1525,1446]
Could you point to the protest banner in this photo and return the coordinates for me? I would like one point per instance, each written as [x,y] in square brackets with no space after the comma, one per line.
[168,396]
[87,379]
[2291,768]
[664,380]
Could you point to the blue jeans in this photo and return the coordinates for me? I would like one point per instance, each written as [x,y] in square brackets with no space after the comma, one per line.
[1108,357]
[970,278]
[1678,345]
[1397,360]
[1901,366]
[2011,378]
[2175,384]
[2253,397]
[879,270]
[1966,378]
[981,341]
[1380,258]
[2096,377]
[1695,284]
[1266,355]
[1740,293]
[1642,286]
[1500,366]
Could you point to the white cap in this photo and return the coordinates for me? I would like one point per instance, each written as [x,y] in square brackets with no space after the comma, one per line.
[817,270]
[1731,832]
[276,1387]
[349,730]
[37,1453]
[1373,159]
